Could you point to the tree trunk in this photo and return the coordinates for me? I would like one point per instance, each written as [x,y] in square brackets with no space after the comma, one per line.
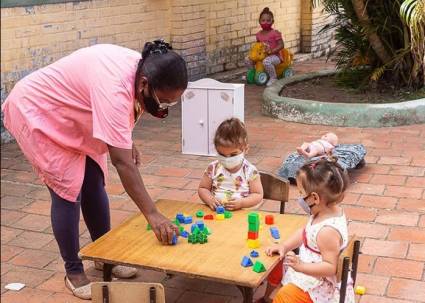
[373,38]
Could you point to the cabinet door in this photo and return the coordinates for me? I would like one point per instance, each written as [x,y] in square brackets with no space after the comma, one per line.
[195,122]
[220,108]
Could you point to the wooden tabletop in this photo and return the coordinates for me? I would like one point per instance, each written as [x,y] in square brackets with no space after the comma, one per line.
[219,259]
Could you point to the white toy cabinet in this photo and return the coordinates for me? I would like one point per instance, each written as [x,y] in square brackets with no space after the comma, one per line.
[205,104]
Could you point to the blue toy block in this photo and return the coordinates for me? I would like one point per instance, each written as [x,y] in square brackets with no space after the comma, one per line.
[184,234]
[180,217]
[200,225]
[220,209]
[174,240]
[254,254]
[274,232]
[246,261]
[188,220]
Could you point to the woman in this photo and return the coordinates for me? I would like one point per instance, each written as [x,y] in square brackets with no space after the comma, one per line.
[67,116]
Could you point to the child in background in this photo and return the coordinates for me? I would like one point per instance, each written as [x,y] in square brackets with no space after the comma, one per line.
[231,180]
[311,276]
[274,43]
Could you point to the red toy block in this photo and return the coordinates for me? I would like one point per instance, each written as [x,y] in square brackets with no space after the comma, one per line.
[252,235]
[269,219]
[209,217]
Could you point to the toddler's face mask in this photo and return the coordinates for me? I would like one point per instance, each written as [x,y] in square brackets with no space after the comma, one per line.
[266,26]
[231,162]
[304,204]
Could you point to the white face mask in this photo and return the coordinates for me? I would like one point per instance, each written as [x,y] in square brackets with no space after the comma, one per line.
[231,162]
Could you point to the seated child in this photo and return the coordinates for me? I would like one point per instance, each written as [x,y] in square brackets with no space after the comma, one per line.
[319,147]
[231,180]
[274,43]
[311,276]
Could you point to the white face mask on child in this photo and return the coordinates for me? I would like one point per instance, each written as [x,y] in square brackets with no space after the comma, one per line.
[231,162]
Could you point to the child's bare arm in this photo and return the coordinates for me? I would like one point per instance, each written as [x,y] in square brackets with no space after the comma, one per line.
[279,47]
[255,196]
[329,242]
[204,192]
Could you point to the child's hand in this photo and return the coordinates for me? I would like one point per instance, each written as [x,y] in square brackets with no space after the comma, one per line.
[268,49]
[277,248]
[233,204]
[213,203]
[292,260]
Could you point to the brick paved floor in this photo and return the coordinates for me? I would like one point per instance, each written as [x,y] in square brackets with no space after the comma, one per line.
[385,205]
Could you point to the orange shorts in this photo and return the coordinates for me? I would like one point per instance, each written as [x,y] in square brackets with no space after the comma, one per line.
[291,294]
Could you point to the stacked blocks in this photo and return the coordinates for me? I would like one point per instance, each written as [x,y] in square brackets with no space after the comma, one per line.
[253,229]
[199,233]
[259,267]
[269,219]
[220,213]
[246,261]
[182,219]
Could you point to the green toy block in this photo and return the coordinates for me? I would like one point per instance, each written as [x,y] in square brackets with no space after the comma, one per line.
[148,227]
[175,221]
[259,267]
[200,214]
[228,214]
[207,230]
[255,227]
[196,231]
[181,228]
[253,218]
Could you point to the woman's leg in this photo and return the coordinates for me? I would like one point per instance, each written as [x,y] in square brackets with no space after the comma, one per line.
[292,294]
[65,217]
[94,201]
[269,63]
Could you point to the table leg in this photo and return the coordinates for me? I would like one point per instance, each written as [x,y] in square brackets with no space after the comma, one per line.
[247,293]
[107,272]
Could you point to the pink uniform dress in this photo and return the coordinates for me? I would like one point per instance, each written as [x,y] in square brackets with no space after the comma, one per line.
[271,38]
[71,109]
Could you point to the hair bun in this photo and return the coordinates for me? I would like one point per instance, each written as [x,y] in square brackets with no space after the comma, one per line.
[266,10]
[158,46]
[331,158]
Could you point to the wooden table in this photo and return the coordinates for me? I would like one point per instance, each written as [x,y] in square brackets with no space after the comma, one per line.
[218,260]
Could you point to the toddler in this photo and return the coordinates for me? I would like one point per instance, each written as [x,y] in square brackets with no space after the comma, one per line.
[231,180]
[319,147]
[311,276]
[274,43]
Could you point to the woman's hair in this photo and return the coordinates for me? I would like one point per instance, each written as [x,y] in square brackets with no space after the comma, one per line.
[325,177]
[164,69]
[266,10]
[231,132]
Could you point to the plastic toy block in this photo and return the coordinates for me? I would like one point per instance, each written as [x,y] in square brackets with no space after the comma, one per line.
[148,227]
[259,267]
[253,243]
[253,218]
[219,217]
[174,240]
[269,219]
[274,232]
[188,220]
[228,214]
[200,225]
[255,227]
[195,229]
[209,217]
[180,218]
[207,230]
[254,254]
[199,213]
[360,290]
[176,222]
[181,228]
[246,261]
[184,234]
[220,209]
[252,235]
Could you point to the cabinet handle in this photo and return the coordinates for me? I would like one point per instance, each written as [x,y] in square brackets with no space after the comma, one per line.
[201,122]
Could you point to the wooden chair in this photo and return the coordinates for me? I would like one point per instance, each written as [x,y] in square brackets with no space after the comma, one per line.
[275,188]
[347,262]
[129,292]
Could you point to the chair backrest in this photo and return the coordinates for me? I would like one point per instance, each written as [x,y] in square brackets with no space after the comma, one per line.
[350,255]
[275,188]
[129,292]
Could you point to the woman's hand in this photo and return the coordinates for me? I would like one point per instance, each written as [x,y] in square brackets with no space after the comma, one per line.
[292,260]
[233,204]
[136,155]
[276,249]
[163,228]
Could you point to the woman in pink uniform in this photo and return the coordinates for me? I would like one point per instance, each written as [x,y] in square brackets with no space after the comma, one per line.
[66,118]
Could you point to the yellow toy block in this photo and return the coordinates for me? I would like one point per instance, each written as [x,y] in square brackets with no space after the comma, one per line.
[360,290]
[253,243]
[219,217]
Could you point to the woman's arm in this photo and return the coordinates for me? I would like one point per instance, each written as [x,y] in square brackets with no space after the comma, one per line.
[133,184]
[329,243]
[255,196]
[204,192]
